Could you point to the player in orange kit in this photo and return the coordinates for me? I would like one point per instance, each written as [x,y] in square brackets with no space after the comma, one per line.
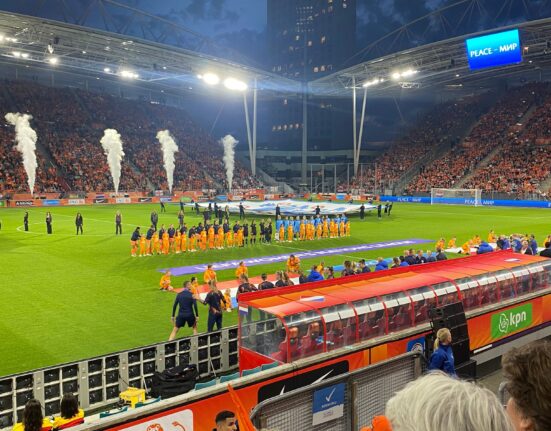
[220,238]
[203,239]
[332,229]
[134,241]
[155,244]
[194,287]
[290,230]
[302,229]
[311,230]
[492,236]
[325,232]
[192,240]
[347,228]
[165,282]
[342,228]
[183,238]
[319,229]
[241,269]
[293,264]
[177,241]
[229,239]
[209,274]
[210,236]
[239,237]
[451,242]
[165,242]
[148,238]
[227,297]
[281,233]
[143,246]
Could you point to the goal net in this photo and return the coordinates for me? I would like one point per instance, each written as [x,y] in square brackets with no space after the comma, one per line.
[456,197]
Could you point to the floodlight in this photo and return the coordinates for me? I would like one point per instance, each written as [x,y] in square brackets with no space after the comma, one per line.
[396,75]
[235,84]
[211,78]
[25,55]
[128,74]
[53,60]
[106,70]
[1,37]
[16,54]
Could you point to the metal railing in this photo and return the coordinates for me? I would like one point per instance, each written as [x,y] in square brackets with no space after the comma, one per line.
[98,381]
[366,392]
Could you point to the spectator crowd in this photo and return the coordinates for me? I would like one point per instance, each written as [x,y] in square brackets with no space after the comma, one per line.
[70,123]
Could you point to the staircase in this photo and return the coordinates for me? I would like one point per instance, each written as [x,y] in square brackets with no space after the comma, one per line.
[461,131]
[488,159]
[482,164]
[545,185]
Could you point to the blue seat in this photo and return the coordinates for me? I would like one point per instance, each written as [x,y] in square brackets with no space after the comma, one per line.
[251,371]
[146,403]
[269,366]
[111,412]
[229,377]
[205,385]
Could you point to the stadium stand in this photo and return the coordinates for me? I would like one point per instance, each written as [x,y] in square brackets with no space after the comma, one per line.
[70,124]
[438,127]
[491,132]
[524,160]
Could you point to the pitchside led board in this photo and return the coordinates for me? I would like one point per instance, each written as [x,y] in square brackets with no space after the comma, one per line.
[496,49]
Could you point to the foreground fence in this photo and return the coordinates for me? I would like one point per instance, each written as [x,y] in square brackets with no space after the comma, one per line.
[343,403]
[98,381]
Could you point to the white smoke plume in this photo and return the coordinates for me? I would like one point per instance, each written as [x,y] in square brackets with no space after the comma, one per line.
[112,146]
[229,143]
[169,148]
[26,144]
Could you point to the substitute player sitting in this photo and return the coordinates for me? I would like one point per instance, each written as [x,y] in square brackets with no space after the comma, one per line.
[165,282]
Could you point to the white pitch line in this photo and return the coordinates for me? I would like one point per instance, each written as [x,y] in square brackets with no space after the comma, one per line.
[345,255]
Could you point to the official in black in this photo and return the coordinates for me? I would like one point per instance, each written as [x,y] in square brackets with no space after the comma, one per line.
[188,313]
[118,223]
[49,222]
[79,222]
[26,221]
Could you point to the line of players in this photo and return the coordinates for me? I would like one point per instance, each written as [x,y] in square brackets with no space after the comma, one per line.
[308,229]
[215,236]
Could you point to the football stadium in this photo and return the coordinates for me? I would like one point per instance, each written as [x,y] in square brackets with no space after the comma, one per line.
[275,215]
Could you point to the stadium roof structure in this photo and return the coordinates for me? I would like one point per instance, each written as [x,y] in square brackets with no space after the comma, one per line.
[86,52]
[441,64]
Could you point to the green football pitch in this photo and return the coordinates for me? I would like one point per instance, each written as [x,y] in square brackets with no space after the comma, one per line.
[66,297]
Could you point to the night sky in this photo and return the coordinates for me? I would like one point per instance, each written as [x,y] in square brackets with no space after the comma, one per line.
[241,24]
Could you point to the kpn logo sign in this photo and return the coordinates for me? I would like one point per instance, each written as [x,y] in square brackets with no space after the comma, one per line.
[511,320]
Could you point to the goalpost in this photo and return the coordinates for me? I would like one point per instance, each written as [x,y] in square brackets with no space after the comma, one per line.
[456,196]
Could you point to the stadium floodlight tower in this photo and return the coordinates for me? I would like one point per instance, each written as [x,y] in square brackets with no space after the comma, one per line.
[456,196]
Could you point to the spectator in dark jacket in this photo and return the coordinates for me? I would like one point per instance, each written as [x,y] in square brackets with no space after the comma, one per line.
[440,255]
[546,252]
[409,257]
